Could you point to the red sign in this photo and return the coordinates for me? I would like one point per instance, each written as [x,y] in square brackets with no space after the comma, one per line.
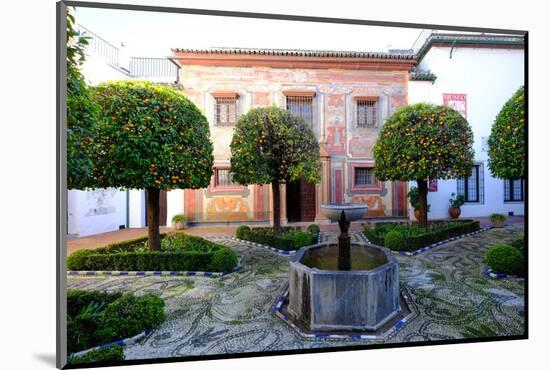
[457,102]
[432,185]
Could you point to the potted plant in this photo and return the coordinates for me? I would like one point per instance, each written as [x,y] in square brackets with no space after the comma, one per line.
[414,198]
[498,219]
[456,202]
[179,221]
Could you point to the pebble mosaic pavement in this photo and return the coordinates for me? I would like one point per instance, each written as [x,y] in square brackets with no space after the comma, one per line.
[232,314]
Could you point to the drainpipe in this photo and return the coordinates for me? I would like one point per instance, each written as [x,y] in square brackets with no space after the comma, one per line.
[452,47]
[127,208]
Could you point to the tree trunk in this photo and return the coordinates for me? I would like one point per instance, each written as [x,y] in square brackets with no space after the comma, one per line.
[276,206]
[153,218]
[423,202]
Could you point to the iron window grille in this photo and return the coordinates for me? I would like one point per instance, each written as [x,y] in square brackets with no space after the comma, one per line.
[225,110]
[513,190]
[472,186]
[364,176]
[366,112]
[224,178]
[302,106]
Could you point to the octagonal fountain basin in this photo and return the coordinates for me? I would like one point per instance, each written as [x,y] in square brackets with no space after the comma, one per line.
[325,299]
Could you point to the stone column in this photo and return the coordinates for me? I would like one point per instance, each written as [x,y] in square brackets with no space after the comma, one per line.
[322,190]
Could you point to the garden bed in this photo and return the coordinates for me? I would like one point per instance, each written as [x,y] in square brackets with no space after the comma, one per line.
[405,237]
[292,238]
[179,252]
[96,318]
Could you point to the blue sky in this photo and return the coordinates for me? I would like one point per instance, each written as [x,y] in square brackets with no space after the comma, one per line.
[154,34]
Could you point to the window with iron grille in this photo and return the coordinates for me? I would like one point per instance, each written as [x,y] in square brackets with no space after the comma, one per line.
[302,106]
[366,112]
[364,176]
[472,186]
[225,111]
[223,177]
[513,190]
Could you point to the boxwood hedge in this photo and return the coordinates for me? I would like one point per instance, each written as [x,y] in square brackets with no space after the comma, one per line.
[95,318]
[179,252]
[417,237]
[292,238]
[505,259]
[110,353]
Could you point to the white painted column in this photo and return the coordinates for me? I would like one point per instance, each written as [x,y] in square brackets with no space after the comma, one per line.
[174,200]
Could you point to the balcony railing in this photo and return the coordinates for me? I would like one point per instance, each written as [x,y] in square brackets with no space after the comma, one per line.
[154,68]
[101,47]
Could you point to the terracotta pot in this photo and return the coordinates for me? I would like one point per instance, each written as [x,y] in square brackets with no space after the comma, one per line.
[454,212]
[417,214]
[179,225]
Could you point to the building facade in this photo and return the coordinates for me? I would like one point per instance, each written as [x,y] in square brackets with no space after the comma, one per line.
[343,96]
[476,75]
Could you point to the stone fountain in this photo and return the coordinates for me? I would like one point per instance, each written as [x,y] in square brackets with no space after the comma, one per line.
[343,287]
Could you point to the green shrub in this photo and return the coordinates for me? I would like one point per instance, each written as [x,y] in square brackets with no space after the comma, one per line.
[130,315]
[242,231]
[181,242]
[223,260]
[505,259]
[179,252]
[394,240]
[417,237]
[291,238]
[519,244]
[180,217]
[110,353]
[78,299]
[497,217]
[77,259]
[313,229]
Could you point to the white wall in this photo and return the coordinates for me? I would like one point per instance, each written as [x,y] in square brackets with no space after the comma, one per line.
[174,200]
[95,211]
[97,70]
[488,77]
[101,210]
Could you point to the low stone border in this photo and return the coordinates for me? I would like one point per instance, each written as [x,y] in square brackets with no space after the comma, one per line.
[152,273]
[489,272]
[121,342]
[277,310]
[431,246]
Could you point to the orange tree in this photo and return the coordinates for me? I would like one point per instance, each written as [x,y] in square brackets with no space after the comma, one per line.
[273,146]
[150,137]
[507,139]
[424,141]
[82,112]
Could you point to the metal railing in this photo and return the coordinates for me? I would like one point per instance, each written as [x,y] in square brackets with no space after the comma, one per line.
[153,68]
[100,46]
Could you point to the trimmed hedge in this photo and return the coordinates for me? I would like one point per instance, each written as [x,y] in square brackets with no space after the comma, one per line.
[106,354]
[95,318]
[130,315]
[394,240]
[78,299]
[292,238]
[416,237]
[179,252]
[505,259]
[242,231]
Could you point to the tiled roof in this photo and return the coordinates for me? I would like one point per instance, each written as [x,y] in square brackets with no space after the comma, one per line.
[300,53]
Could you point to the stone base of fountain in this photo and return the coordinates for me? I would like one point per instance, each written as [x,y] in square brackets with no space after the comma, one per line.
[324,298]
[302,328]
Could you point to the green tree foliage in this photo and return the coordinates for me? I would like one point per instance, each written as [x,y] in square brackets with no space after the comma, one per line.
[424,141]
[82,112]
[273,146]
[150,137]
[507,139]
